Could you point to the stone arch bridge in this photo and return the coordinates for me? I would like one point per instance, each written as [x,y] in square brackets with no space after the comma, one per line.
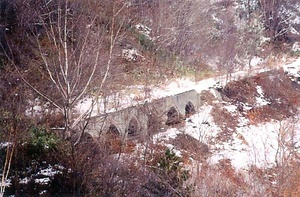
[145,118]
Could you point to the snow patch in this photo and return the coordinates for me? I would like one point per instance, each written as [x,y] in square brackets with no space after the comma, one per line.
[201,126]
[296,47]
[144,30]
[256,61]
[50,172]
[5,144]
[260,99]
[6,183]
[262,146]
[25,180]
[292,69]
[43,181]
[164,136]
[231,108]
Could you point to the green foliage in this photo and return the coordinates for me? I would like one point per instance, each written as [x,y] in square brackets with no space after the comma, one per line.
[138,74]
[171,165]
[42,155]
[41,142]
[187,71]
[296,53]
[2,64]
[194,71]
[170,177]
[145,42]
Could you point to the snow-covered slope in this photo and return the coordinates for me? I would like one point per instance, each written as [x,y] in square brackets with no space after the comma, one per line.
[246,144]
[262,144]
[138,94]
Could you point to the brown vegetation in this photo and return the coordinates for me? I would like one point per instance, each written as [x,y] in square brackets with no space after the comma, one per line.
[275,86]
[225,120]
[193,149]
[57,52]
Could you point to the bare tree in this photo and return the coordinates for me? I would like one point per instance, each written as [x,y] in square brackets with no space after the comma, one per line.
[277,18]
[72,54]
[10,148]
[286,153]
[70,58]
[13,122]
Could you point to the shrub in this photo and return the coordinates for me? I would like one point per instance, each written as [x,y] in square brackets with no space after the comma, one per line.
[41,166]
[145,42]
[41,142]
[171,176]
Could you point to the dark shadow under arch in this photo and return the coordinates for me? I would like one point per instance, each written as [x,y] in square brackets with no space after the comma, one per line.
[189,109]
[133,127]
[173,117]
[112,129]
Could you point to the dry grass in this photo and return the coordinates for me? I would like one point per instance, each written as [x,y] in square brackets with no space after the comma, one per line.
[225,120]
[192,147]
[283,96]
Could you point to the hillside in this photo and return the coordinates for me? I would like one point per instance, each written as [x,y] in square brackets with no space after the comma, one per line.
[66,66]
[246,131]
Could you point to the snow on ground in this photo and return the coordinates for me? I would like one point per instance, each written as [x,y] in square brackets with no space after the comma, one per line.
[4,144]
[134,95]
[43,176]
[49,171]
[262,145]
[293,68]
[260,100]
[201,125]
[250,145]
[43,181]
[7,182]
[164,136]
[256,61]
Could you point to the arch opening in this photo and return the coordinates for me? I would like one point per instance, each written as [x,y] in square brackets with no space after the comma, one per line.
[112,129]
[189,109]
[173,117]
[133,127]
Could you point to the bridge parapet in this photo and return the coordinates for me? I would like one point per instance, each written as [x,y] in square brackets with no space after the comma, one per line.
[139,119]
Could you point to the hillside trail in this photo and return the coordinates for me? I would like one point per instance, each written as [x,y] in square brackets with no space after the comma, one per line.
[138,94]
